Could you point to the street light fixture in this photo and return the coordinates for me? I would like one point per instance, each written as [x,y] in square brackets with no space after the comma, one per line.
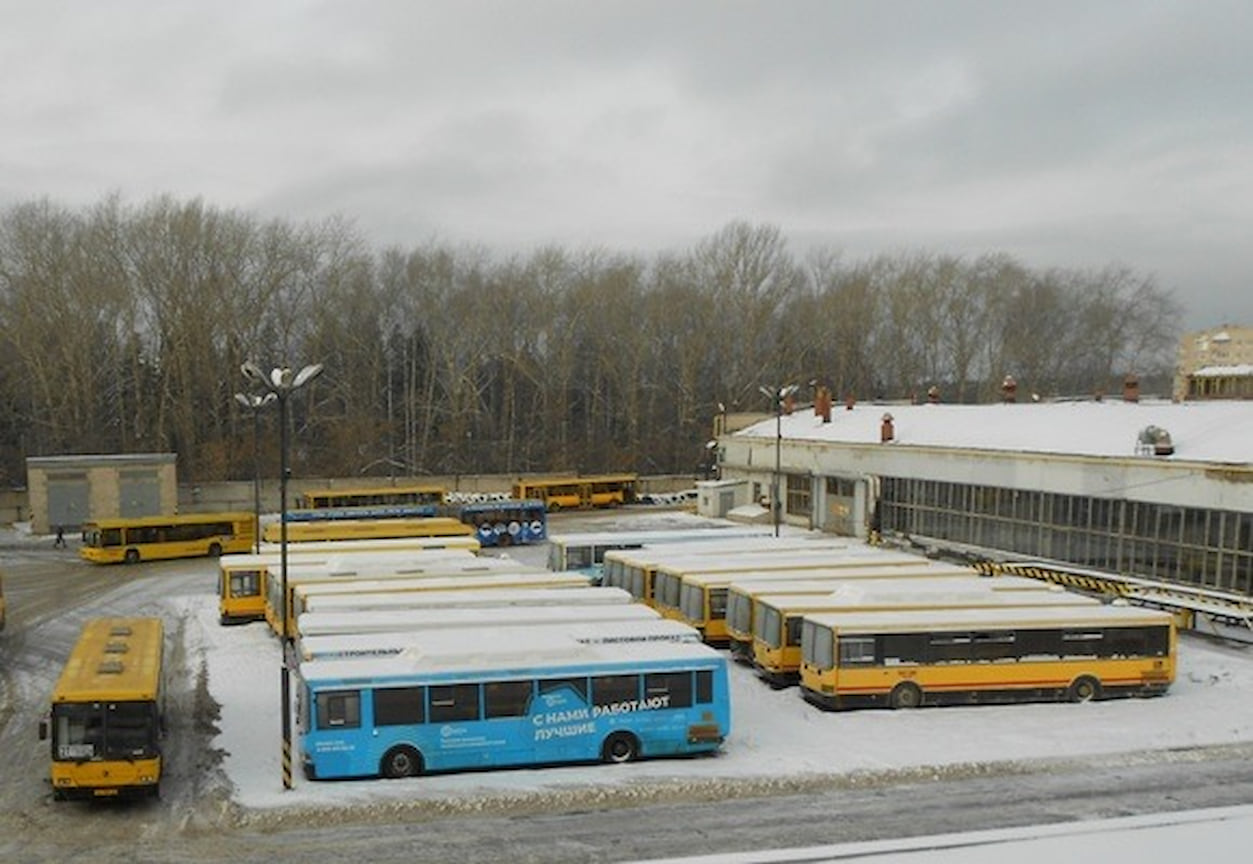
[254,403]
[280,384]
[779,396]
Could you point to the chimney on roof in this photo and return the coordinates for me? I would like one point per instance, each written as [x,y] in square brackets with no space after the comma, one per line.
[849,402]
[822,404]
[933,395]
[1131,388]
[886,430]
[1009,389]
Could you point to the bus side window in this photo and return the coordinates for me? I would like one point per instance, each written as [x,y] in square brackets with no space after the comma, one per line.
[674,687]
[339,709]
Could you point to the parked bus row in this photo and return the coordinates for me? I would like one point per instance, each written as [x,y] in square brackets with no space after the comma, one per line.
[586,551]
[761,604]
[494,523]
[243,578]
[555,493]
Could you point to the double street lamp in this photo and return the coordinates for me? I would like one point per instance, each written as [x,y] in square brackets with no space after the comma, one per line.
[280,384]
[779,397]
[254,403]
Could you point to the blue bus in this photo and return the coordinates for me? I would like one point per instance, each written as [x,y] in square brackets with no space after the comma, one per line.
[554,701]
[505,523]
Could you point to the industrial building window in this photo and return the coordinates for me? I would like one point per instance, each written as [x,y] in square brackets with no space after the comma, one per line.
[798,495]
[841,487]
[1210,548]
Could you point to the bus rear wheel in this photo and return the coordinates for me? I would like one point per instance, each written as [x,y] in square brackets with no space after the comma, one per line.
[906,695]
[402,762]
[215,550]
[132,556]
[1085,689]
[620,747]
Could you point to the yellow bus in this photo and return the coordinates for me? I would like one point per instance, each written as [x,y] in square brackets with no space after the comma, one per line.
[635,569]
[703,596]
[403,496]
[473,623]
[599,626]
[668,579]
[148,538]
[439,589]
[466,569]
[106,717]
[592,490]
[241,578]
[742,594]
[417,595]
[777,625]
[365,529]
[369,587]
[909,658]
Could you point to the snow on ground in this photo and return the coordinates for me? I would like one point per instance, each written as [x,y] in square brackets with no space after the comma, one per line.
[775,734]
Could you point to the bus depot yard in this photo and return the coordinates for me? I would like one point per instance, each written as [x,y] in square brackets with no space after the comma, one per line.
[778,743]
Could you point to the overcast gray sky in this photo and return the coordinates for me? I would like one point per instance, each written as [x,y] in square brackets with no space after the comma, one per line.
[1072,134]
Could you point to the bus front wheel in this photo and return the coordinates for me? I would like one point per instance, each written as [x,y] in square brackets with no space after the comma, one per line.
[402,762]
[215,550]
[620,747]
[1085,689]
[132,556]
[906,695]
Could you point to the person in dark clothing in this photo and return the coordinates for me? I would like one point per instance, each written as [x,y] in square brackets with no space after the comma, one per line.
[60,541]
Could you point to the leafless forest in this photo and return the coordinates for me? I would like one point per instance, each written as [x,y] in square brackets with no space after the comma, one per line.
[124,327]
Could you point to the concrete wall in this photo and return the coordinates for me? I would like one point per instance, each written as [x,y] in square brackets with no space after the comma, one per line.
[16,504]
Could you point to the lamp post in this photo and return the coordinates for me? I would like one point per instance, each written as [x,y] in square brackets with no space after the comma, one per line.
[280,384]
[254,403]
[778,397]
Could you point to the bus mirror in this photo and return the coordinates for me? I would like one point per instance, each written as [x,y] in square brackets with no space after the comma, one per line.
[43,730]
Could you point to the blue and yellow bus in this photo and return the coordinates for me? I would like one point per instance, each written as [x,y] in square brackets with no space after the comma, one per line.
[505,523]
[551,702]
[367,511]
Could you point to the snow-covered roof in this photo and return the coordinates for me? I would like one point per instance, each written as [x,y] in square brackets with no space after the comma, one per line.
[1223,371]
[1218,431]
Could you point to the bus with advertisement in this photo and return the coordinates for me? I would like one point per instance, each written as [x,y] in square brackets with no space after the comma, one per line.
[546,702]
[106,719]
[910,658]
[504,523]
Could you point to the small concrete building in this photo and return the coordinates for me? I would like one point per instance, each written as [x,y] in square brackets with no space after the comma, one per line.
[66,491]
